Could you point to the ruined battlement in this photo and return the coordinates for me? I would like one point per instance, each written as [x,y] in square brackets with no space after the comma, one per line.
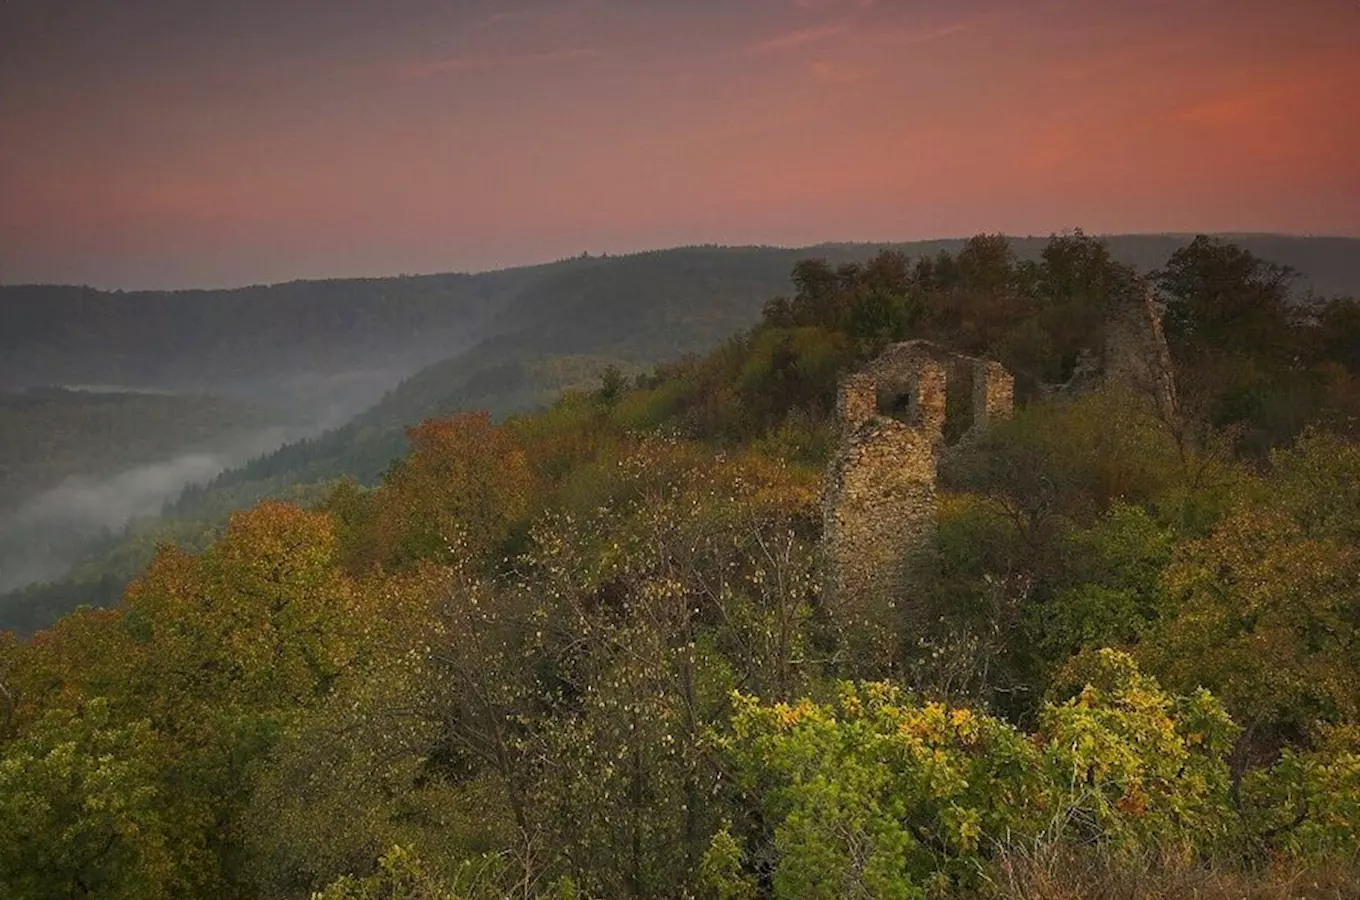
[1136,353]
[879,494]
[911,382]
[878,500]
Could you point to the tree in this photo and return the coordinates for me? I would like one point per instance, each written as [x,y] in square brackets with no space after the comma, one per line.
[1223,298]
[1264,610]
[691,578]
[877,794]
[81,809]
[464,485]
[612,384]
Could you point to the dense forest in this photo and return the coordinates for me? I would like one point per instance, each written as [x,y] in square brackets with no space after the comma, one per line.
[76,465]
[584,651]
[534,332]
[49,435]
[75,335]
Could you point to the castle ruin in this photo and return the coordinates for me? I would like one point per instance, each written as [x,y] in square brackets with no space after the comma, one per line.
[878,500]
[1136,353]
[879,496]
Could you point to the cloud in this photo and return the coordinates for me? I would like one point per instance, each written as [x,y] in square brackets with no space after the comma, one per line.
[906,36]
[497,18]
[827,4]
[800,37]
[884,35]
[480,62]
[829,72]
[1251,105]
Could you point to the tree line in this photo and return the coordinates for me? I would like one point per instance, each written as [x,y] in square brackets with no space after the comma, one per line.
[584,653]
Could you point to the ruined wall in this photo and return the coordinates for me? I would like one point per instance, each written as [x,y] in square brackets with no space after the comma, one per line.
[878,498]
[928,401]
[1136,353]
[879,503]
[993,393]
[856,402]
[917,372]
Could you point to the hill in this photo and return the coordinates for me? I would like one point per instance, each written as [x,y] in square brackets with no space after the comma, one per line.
[634,311]
[75,466]
[626,646]
[62,335]
[48,435]
[557,327]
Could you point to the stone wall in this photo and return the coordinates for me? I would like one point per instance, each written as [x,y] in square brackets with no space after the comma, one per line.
[856,402]
[879,496]
[1136,353]
[878,499]
[993,393]
[912,382]
[879,503]
[929,401]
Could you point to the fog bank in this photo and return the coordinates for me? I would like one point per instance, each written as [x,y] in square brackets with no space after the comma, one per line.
[43,537]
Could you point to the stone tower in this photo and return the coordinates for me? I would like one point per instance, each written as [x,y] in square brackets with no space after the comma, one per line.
[878,500]
[1136,353]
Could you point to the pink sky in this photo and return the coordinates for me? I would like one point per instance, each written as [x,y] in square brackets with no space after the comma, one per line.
[177,143]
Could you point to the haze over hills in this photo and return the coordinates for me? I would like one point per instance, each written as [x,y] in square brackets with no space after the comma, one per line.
[241,337]
[344,366]
[845,522]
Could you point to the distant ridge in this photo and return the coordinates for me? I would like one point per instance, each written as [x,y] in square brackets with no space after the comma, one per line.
[505,341]
[61,334]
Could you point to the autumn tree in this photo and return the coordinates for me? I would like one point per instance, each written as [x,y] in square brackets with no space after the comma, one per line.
[1263,610]
[464,485]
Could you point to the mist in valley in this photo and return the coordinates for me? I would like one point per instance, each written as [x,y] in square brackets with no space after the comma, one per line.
[48,533]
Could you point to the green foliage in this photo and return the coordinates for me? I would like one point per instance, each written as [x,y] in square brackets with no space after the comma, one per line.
[1220,293]
[1258,358]
[1307,805]
[1070,459]
[720,872]
[1262,610]
[81,809]
[791,369]
[1135,768]
[584,653]
[877,794]
[400,876]
[1115,594]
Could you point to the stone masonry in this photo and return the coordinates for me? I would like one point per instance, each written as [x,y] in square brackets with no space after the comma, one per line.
[878,499]
[993,393]
[1136,353]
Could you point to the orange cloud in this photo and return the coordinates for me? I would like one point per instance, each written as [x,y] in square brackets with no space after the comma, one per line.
[901,36]
[1248,106]
[800,37]
[474,63]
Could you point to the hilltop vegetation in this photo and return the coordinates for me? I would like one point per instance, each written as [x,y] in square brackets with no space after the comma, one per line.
[559,327]
[178,339]
[75,465]
[49,435]
[583,652]
[534,333]
[638,306]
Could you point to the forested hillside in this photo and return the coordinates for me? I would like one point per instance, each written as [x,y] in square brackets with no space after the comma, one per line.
[65,335]
[58,335]
[48,435]
[635,311]
[549,329]
[585,652]
[76,465]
